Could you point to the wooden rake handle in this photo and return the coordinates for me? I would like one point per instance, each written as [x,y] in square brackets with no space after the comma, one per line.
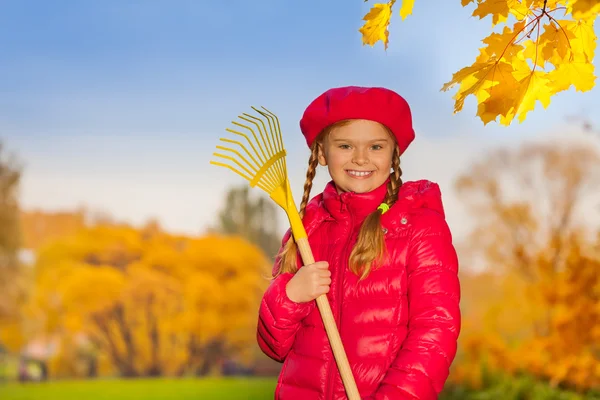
[331,329]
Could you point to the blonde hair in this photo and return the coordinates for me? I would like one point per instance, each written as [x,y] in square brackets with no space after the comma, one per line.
[370,246]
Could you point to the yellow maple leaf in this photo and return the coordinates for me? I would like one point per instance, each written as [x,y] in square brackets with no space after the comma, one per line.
[500,10]
[533,87]
[474,79]
[533,51]
[376,25]
[499,100]
[580,75]
[555,42]
[407,8]
[550,4]
[585,9]
[583,45]
[501,46]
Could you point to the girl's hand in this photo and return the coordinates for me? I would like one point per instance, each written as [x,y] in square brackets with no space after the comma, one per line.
[309,282]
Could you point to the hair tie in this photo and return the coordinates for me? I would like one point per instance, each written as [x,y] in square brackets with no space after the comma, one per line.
[383,207]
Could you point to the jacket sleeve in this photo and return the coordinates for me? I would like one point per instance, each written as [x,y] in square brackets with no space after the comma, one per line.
[422,365]
[279,318]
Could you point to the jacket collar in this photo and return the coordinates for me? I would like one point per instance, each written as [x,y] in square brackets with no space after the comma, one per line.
[358,205]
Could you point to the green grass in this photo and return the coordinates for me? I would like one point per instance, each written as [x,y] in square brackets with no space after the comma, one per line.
[146,389]
[246,389]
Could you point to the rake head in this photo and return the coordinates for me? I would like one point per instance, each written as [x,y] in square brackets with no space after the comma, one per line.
[260,159]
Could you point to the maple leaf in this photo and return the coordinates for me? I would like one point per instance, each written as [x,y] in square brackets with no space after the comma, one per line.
[475,78]
[555,42]
[407,8]
[585,9]
[498,101]
[376,25]
[583,45]
[532,87]
[579,75]
[501,9]
[502,45]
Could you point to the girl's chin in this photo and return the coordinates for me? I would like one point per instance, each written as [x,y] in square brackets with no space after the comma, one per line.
[356,187]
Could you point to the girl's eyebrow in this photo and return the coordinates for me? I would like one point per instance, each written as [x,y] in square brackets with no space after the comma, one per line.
[370,141]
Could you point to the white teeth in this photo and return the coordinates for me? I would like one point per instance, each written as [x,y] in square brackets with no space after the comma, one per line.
[360,173]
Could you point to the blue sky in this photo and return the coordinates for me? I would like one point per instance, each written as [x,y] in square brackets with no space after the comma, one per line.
[118,104]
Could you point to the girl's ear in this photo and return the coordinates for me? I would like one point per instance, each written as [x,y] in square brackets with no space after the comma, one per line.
[321,156]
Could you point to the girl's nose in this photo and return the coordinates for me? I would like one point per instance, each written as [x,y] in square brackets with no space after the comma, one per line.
[360,157]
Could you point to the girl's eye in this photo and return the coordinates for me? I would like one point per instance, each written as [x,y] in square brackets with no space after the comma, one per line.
[344,146]
[377,147]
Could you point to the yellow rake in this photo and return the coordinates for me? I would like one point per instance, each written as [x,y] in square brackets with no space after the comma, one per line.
[265,167]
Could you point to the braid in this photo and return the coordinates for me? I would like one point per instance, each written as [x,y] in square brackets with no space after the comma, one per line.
[289,254]
[313,163]
[395,179]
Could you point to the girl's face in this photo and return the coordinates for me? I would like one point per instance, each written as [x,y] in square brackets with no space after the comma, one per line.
[358,155]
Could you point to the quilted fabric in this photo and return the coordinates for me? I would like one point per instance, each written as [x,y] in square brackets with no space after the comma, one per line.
[399,326]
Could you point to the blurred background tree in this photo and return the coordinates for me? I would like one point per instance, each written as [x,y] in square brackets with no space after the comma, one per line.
[13,283]
[142,302]
[534,308]
[252,217]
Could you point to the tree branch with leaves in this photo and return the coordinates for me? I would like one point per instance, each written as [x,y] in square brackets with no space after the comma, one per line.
[549,48]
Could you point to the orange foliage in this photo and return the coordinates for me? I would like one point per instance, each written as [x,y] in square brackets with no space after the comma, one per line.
[149,302]
[536,309]
[40,227]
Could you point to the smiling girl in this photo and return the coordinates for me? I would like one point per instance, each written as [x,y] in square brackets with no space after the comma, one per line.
[387,263]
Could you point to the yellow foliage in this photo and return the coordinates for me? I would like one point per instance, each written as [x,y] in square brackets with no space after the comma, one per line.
[38,227]
[149,302]
[537,308]
[549,328]
[528,62]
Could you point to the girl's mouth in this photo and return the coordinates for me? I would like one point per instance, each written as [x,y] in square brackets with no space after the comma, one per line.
[359,174]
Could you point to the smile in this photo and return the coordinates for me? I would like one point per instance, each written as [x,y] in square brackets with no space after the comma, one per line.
[359,174]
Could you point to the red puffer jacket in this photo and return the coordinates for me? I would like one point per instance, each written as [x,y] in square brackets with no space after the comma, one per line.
[399,326]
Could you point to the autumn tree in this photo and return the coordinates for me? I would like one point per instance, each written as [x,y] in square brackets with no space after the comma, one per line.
[12,279]
[40,227]
[253,218]
[147,302]
[545,47]
[527,199]
[541,262]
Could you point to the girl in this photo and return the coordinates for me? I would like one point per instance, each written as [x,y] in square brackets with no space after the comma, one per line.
[387,263]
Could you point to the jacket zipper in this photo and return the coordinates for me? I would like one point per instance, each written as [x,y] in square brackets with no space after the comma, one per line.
[343,265]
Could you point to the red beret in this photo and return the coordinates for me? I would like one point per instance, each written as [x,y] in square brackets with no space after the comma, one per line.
[354,102]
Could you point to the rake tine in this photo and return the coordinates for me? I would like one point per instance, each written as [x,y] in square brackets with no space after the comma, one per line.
[244,147]
[259,184]
[240,156]
[235,161]
[272,146]
[277,139]
[267,167]
[256,171]
[262,161]
[262,150]
[231,168]
[269,148]
[273,116]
